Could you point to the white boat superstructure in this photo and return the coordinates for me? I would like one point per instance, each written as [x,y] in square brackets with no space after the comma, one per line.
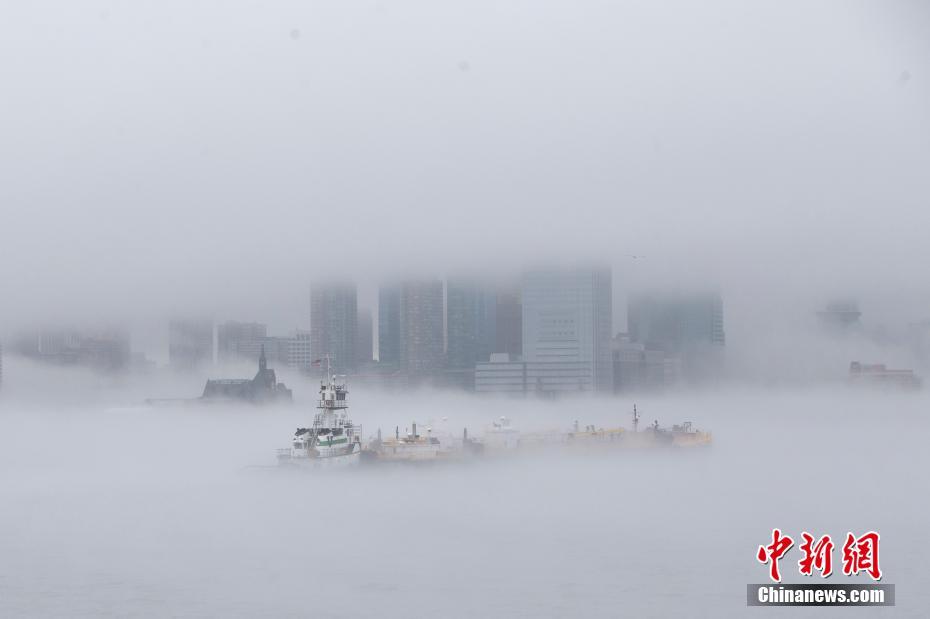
[333,440]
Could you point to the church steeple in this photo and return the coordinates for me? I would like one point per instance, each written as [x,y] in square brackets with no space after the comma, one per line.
[262,361]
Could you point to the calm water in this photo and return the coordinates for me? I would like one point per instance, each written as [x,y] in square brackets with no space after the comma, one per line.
[131,512]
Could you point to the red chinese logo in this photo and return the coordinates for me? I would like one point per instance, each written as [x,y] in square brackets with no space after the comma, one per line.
[773,552]
[861,555]
[817,555]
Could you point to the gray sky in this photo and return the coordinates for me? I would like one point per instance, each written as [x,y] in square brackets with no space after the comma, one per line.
[169,157]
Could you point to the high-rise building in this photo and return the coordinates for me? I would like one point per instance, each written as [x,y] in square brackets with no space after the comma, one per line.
[236,341]
[689,326]
[334,324]
[365,339]
[470,323]
[509,321]
[190,343]
[676,323]
[421,329]
[389,325]
[567,318]
[299,353]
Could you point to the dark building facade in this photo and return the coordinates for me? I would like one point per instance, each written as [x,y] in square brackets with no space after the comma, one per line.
[675,323]
[471,311]
[686,326]
[365,341]
[334,324]
[389,325]
[509,321]
[264,388]
[421,329]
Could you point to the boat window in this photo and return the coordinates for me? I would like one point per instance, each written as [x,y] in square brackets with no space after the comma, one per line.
[322,431]
[337,431]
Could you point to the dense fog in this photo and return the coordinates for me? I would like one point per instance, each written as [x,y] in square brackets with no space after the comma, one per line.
[135,511]
[199,157]
[210,161]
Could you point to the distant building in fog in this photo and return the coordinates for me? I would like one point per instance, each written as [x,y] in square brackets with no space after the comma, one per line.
[567,320]
[389,325]
[686,326]
[509,321]
[840,315]
[275,348]
[365,341]
[334,324]
[504,374]
[471,309]
[299,353]
[246,341]
[638,369]
[421,329]
[1,365]
[676,322]
[190,343]
[106,349]
[236,341]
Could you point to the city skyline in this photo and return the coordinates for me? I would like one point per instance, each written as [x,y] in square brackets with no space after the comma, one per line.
[286,350]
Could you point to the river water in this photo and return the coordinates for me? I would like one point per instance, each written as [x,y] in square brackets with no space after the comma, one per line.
[109,511]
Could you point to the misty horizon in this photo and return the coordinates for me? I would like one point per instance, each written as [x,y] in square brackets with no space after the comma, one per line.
[684,161]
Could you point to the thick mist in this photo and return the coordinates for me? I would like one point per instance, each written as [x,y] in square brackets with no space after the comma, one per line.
[153,512]
[207,161]
[215,158]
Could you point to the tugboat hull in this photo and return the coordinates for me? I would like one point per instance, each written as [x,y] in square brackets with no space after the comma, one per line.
[323,462]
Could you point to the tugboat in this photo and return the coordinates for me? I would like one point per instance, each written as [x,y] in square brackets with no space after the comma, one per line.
[333,440]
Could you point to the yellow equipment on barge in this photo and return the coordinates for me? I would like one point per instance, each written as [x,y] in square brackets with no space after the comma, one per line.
[679,435]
